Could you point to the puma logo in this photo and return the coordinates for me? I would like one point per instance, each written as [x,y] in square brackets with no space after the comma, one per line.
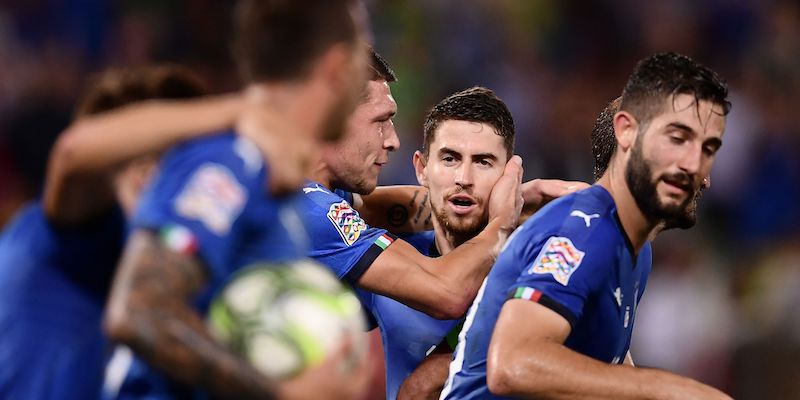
[314,189]
[586,218]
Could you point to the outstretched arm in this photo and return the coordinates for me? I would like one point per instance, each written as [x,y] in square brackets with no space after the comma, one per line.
[405,208]
[78,184]
[527,359]
[149,310]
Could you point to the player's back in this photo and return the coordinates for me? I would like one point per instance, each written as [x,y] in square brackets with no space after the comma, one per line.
[53,285]
[209,200]
[567,257]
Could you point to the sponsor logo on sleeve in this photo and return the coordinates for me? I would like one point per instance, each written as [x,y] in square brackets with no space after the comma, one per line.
[346,221]
[559,258]
[214,197]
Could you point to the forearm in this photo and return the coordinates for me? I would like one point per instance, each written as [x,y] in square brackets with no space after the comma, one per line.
[561,373]
[427,381]
[106,140]
[78,181]
[468,264]
[149,311]
[399,209]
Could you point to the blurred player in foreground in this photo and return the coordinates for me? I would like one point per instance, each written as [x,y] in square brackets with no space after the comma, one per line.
[58,256]
[209,212]
[555,315]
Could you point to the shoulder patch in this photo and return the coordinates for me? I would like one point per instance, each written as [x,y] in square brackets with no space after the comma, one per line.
[346,221]
[213,196]
[558,257]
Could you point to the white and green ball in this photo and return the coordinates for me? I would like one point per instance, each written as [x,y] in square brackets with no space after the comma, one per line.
[285,317]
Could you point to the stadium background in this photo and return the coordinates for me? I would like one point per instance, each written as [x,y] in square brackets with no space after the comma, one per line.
[723,302]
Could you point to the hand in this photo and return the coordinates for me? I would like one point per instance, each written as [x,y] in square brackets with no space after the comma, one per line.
[539,192]
[505,201]
[288,153]
[342,376]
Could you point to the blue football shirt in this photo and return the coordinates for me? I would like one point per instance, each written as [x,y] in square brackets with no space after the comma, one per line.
[53,286]
[572,257]
[408,335]
[210,196]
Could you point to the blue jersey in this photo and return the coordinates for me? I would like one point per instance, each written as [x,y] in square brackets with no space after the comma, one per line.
[53,286]
[408,335]
[572,257]
[211,195]
[338,236]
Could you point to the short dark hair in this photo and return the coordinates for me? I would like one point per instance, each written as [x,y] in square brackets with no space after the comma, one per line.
[656,78]
[280,39]
[476,104]
[118,87]
[379,68]
[604,142]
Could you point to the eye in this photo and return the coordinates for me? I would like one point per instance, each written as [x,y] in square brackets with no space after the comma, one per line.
[448,160]
[485,163]
[709,150]
[676,139]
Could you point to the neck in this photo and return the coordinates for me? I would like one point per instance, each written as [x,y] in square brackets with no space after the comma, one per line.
[636,226]
[287,107]
[321,171]
[447,241]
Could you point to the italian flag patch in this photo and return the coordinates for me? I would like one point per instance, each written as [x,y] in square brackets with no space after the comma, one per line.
[384,241]
[179,239]
[526,293]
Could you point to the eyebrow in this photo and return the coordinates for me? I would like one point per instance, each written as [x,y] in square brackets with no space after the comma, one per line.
[479,156]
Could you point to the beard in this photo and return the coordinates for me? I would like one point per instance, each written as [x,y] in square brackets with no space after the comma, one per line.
[639,177]
[468,226]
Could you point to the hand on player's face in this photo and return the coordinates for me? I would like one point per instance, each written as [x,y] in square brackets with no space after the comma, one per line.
[505,202]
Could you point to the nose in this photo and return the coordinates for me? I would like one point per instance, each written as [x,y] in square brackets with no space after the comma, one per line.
[391,142]
[691,160]
[464,175]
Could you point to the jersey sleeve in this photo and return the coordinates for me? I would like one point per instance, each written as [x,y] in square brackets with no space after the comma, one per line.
[561,273]
[198,199]
[339,236]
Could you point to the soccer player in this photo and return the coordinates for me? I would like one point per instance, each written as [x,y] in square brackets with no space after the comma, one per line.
[208,212]
[58,255]
[553,318]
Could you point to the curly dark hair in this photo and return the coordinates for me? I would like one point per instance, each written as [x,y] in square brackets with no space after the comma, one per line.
[476,104]
[604,142]
[656,78]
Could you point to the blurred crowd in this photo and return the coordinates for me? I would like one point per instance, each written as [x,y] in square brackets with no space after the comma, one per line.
[722,303]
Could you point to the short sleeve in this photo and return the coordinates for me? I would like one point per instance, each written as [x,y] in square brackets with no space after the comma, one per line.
[562,274]
[339,236]
[198,198]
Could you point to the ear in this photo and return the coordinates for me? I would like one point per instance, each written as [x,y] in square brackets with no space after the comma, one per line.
[420,168]
[625,129]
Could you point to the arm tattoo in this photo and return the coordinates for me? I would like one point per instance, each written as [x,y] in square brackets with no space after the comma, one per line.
[421,206]
[157,286]
[397,215]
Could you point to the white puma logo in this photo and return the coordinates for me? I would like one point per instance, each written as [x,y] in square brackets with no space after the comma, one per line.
[314,189]
[586,218]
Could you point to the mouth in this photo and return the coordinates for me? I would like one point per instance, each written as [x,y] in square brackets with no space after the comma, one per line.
[678,186]
[462,204]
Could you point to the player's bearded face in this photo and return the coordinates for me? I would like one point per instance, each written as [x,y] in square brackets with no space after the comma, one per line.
[468,225]
[643,185]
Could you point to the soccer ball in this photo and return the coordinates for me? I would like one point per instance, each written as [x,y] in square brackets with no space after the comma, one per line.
[285,317]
